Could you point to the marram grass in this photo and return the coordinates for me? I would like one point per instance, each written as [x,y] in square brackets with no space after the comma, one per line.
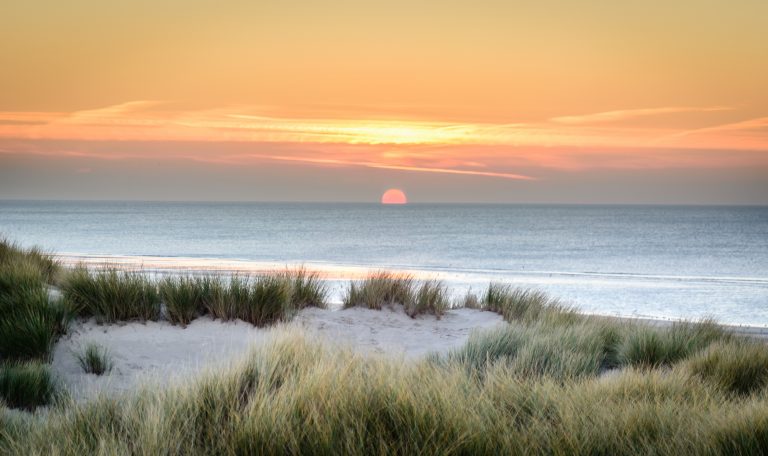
[27,386]
[94,359]
[111,295]
[381,289]
[297,396]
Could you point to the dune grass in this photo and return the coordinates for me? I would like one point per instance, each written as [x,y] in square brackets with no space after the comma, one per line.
[645,346]
[297,396]
[571,351]
[185,297]
[111,295]
[431,297]
[380,289]
[27,385]
[94,359]
[736,366]
[307,288]
[259,300]
[42,261]
[522,304]
[30,322]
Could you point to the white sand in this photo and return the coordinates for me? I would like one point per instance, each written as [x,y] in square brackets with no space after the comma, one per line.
[162,353]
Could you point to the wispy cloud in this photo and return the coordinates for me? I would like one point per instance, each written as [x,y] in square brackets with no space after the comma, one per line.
[626,114]
[494,150]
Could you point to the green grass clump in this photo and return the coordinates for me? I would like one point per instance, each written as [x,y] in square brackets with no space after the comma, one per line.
[646,346]
[737,367]
[184,297]
[111,295]
[268,301]
[431,297]
[520,304]
[31,331]
[30,322]
[542,349]
[94,359]
[307,288]
[380,289]
[12,253]
[27,386]
[260,300]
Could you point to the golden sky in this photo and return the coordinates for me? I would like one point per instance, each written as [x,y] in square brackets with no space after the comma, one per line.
[490,101]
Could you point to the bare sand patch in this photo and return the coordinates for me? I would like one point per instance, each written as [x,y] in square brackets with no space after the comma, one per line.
[158,352]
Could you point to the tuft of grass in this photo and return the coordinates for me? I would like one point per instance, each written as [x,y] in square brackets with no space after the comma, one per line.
[469,301]
[30,323]
[307,288]
[527,305]
[27,386]
[184,297]
[431,297]
[380,289]
[42,261]
[31,333]
[646,346]
[216,297]
[735,367]
[94,359]
[111,295]
[261,300]
[544,349]
[268,301]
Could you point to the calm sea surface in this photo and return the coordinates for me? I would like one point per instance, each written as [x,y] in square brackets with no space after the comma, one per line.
[656,261]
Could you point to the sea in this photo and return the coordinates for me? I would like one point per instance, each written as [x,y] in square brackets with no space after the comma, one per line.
[670,262]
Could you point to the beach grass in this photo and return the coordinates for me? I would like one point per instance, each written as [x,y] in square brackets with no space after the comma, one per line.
[268,301]
[27,385]
[184,297]
[523,304]
[736,366]
[259,300]
[30,322]
[295,395]
[94,359]
[111,295]
[382,288]
[431,297]
[47,267]
[646,346]
[307,288]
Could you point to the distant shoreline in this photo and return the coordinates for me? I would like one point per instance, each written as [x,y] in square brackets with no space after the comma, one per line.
[330,272]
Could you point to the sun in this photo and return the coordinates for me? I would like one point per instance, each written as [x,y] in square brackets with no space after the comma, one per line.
[394,196]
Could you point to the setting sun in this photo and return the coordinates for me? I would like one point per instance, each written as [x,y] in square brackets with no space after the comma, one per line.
[394,196]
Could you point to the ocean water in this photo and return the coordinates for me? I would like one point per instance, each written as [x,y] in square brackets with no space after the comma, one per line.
[651,261]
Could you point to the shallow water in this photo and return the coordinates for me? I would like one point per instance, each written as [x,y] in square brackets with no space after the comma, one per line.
[656,261]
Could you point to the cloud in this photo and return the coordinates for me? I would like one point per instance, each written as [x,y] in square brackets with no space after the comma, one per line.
[615,116]
[153,130]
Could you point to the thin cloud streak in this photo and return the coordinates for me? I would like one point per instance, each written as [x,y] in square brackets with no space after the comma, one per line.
[398,167]
[615,116]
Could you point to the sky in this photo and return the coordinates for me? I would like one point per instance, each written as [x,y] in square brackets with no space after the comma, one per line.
[638,102]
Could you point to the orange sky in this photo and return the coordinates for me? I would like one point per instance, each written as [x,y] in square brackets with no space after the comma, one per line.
[493,101]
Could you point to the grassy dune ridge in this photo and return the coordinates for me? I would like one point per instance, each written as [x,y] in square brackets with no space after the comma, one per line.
[551,381]
[297,396]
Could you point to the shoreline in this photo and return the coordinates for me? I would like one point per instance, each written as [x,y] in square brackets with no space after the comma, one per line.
[337,275]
